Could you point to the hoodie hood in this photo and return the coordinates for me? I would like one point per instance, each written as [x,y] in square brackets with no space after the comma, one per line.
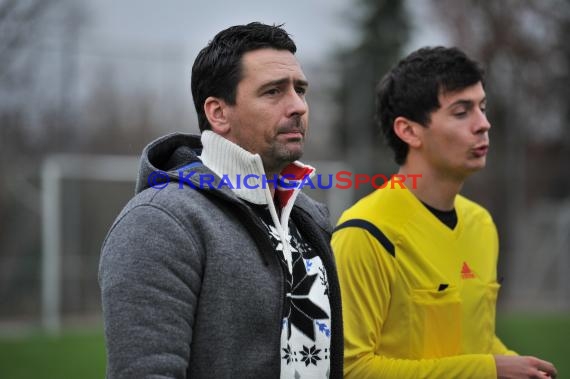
[175,159]
[166,156]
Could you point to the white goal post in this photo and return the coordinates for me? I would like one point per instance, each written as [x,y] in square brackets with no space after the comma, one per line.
[55,168]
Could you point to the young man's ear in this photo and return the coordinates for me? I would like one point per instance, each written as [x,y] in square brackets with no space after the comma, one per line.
[408,131]
[216,111]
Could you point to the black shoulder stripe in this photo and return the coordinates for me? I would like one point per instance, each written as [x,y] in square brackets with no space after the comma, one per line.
[372,229]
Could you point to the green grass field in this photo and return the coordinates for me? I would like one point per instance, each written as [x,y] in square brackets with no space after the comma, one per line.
[547,337]
[74,355]
[81,355]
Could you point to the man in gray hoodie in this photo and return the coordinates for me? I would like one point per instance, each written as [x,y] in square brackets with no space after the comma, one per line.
[220,267]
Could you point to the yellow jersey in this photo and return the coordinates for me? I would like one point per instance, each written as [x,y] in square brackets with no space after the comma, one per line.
[419,298]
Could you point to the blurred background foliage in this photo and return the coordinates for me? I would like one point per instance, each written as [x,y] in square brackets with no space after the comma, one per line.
[60,92]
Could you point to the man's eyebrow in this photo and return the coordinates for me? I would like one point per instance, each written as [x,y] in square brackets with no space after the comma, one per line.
[280,82]
[466,103]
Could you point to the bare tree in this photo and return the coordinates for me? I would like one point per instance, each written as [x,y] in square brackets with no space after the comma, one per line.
[384,30]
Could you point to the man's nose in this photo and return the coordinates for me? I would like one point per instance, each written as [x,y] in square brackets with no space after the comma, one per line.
[297,105]
[483,125]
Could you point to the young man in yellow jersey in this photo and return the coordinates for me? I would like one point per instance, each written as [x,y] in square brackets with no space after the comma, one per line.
[417,266]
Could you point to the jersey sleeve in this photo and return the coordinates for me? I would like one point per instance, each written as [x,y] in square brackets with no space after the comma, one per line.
[499,348]
[367,272]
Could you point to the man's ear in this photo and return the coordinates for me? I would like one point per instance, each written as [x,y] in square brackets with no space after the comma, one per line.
[408,131]
[216,111]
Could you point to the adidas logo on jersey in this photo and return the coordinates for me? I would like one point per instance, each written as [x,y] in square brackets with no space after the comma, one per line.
[466,272]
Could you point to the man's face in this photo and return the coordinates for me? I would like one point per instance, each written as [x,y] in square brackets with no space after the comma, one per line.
[456,141]
[270,116]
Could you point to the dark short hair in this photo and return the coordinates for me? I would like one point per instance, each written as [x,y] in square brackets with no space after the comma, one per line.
[411,89]
[217,69]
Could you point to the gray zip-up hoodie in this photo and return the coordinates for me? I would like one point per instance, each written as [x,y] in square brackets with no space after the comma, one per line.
[191,286]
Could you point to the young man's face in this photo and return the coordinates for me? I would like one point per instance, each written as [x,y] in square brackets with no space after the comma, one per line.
[270,116]
[456,141]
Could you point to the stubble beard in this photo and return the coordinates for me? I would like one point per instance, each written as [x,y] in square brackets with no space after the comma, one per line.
[280,156]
